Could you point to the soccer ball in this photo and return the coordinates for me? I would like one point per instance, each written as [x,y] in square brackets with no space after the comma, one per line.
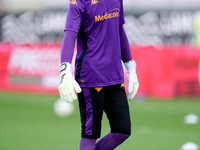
[62,108]
[190,146]
[191,119]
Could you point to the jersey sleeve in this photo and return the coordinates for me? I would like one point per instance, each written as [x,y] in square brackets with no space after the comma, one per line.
[67,49]
[74,15]
[122,21]
[125,48]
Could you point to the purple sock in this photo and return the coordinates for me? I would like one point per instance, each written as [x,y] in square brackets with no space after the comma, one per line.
[87,144]
[111,141]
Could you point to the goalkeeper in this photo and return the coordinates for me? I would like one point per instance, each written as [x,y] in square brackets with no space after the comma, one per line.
[102,45]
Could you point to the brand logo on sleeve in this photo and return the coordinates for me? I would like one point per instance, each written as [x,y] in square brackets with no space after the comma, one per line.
[73,2]
[94,2]
[108,15]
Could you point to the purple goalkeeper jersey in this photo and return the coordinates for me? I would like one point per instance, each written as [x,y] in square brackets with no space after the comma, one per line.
[98,59]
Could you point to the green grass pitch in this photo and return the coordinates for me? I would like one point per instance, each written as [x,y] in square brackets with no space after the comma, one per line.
[28,122]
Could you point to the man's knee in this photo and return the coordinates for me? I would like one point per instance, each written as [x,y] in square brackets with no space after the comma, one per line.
[121,137]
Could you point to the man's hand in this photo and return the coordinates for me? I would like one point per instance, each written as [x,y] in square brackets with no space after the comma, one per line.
[132,79]
[67,84]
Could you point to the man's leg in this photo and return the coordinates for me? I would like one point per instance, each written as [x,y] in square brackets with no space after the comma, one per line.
[117,110]
[91,105]
[87,144]
[111,141]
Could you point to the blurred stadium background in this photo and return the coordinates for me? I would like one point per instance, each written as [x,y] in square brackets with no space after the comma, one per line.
[164,37]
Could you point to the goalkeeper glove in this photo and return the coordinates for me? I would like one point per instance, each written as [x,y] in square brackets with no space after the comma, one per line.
[132,79]
[67,83]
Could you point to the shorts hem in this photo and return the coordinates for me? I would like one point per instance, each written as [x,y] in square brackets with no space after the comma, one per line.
[101,84]
[90,136]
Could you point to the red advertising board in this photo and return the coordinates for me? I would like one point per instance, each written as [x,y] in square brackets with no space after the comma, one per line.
[167,72]
[163,72]
[28,68]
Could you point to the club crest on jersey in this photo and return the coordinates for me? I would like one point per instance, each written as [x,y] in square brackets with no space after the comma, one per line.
[94,2]
[73,2]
